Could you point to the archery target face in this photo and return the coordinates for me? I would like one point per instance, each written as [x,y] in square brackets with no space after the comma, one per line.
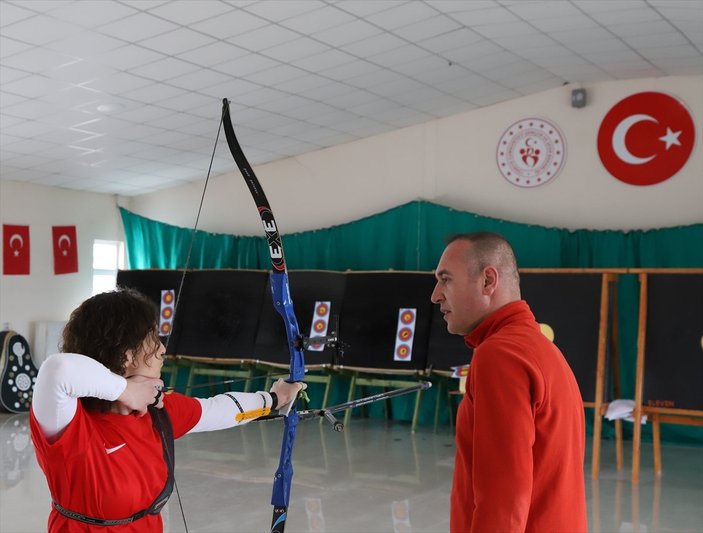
[168,300]
[316,519]
[320,323]
[401,516]
[404,335]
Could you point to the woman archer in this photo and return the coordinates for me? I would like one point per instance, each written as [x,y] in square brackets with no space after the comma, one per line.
[102,428]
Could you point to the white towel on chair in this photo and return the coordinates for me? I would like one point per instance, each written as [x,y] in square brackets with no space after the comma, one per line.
[622,409]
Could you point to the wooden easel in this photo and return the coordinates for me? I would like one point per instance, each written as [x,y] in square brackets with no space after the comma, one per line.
[608,318]
[657,414]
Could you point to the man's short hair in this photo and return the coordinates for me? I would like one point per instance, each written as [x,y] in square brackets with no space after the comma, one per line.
[491,249]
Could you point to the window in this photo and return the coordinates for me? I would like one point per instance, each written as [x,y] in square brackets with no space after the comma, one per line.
[108,258]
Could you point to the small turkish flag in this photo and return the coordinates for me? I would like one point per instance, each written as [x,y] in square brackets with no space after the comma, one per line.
[15,250]
[65,249]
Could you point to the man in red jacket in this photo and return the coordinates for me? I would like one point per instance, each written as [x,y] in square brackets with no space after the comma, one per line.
[520,428]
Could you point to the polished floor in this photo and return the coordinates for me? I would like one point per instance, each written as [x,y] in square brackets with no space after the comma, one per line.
[373,477]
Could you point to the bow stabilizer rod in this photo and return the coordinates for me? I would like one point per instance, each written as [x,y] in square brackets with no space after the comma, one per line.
[328,412]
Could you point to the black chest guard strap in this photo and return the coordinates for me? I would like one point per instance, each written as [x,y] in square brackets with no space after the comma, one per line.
[162,425]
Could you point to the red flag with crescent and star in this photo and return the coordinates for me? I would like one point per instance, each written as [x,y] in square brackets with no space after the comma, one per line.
[65,249]
[646,138]
[15,250]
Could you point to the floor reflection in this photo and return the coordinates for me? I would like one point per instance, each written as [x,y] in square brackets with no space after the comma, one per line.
[16,448]
[373,477]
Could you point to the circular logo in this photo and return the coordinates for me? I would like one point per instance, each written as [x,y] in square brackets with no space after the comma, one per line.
[646,138]
[531,152]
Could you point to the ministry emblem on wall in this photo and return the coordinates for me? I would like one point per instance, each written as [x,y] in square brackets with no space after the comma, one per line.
[531,152]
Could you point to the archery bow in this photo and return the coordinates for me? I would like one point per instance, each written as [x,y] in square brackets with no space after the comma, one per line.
[283,304]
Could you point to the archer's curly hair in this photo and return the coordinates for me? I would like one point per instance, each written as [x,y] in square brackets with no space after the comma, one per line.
[107,326]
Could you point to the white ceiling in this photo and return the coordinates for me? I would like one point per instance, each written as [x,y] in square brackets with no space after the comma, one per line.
[124,96]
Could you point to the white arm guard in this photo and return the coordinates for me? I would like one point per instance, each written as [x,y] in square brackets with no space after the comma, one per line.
[232,409]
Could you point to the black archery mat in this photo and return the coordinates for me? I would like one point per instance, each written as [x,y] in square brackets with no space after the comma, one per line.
[218,314]
[673,361]
[567,307]
[370,316]
[306,288]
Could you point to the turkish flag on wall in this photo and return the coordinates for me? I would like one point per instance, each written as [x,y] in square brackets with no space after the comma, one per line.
[65,249]
[15,249]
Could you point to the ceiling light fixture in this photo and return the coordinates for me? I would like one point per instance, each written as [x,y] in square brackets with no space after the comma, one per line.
[109,108]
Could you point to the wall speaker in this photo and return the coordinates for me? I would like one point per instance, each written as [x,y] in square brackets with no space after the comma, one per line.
[578,98]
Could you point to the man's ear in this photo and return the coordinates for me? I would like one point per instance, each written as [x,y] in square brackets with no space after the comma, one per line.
[490,280]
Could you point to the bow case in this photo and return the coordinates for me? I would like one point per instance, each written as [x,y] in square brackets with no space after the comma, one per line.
[17,373]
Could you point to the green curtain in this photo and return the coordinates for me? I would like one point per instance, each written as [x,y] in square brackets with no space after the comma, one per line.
[409,237]
[412,237]
[153,244]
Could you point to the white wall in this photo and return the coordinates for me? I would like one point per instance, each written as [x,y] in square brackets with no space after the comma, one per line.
[43,296]
[451,161]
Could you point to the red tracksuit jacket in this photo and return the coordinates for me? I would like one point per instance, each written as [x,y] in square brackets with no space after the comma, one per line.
[520,433]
